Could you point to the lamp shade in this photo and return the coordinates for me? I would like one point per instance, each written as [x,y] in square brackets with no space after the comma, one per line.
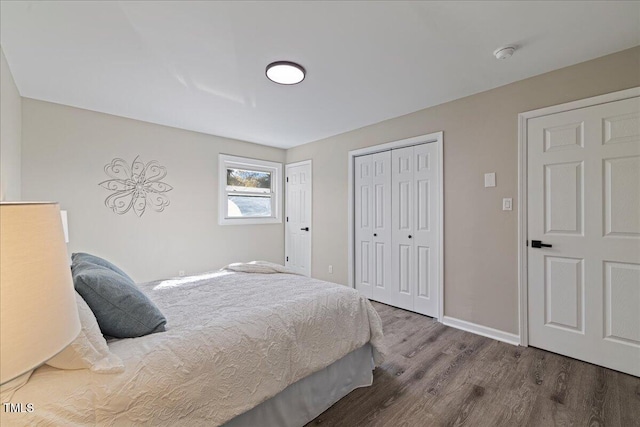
[38,313]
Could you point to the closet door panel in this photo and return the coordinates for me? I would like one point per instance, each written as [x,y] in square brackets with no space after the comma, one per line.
[364,248]
[402,218]
[381,181]
[425,228]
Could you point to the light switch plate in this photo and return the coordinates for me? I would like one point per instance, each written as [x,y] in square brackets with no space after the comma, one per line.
[507,204]
[490,179]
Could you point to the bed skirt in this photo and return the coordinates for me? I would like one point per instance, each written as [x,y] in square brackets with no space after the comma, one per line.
[304,400]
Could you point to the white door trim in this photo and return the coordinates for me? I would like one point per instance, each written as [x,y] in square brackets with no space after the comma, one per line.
[523,313]
[436,138]
[286,240]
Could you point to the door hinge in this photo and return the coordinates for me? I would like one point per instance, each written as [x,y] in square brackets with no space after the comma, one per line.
[287,219]
[287,259]
[287,179]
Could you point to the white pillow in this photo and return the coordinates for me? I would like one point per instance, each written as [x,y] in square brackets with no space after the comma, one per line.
[89,350]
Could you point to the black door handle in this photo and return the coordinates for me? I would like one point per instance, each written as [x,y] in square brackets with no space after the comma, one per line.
[409,235]
[375,234]
[305,229]
[539,244]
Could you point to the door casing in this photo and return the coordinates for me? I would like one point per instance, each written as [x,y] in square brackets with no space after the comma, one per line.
[523,285]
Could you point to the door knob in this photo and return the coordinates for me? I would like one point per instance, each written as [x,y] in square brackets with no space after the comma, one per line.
[409,235]
[305,229]
[539,244]
[375,234]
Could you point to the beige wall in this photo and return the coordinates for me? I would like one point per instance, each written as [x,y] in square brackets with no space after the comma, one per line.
[480,135]
[64,151]
[10,133]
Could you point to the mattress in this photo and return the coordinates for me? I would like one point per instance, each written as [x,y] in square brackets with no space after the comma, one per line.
[233,340]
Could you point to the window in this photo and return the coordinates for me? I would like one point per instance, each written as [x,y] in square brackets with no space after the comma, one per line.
[249,191]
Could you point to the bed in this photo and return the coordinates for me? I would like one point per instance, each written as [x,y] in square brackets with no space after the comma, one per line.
[240,349]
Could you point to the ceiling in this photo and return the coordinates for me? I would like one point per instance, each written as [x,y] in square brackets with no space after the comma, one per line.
[201,65]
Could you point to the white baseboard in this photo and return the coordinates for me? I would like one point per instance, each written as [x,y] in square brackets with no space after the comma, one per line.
[485,331]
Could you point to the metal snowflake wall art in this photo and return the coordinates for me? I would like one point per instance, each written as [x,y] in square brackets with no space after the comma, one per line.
[136,187]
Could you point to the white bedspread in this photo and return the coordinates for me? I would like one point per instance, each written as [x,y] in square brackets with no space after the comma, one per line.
[233,340]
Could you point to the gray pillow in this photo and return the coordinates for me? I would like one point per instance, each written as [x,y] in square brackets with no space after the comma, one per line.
[92,259]
[121,309]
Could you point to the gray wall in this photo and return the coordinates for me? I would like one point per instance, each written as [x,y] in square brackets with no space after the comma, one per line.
[64,151]
[480,135]
[10,133]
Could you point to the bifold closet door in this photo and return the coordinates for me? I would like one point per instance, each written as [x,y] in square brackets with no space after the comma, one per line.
[415,231]
[426,239]
[402,200]
[373,226]
[363,225]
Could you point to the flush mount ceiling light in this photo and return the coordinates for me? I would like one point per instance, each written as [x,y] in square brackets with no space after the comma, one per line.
[504,52]
[285,72]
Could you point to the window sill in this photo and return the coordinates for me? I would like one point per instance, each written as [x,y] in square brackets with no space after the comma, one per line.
[249,221]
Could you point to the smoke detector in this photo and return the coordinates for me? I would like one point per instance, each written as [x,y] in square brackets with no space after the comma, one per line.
[504,52]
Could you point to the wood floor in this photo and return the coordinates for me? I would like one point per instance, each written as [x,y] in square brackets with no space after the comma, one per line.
[439,376]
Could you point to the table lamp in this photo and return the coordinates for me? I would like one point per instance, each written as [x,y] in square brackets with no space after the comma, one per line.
[38,313]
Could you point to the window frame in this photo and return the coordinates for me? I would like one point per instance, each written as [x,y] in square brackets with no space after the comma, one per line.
[226,161]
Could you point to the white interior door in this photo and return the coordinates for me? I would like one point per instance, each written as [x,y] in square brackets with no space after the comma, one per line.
[426,231]
[373,226]
[584,201]
[402,218]
[363,191]
[298,217]
[381,227]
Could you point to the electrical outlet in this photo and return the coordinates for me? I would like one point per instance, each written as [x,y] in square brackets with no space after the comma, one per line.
[181,273]
[331,269]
